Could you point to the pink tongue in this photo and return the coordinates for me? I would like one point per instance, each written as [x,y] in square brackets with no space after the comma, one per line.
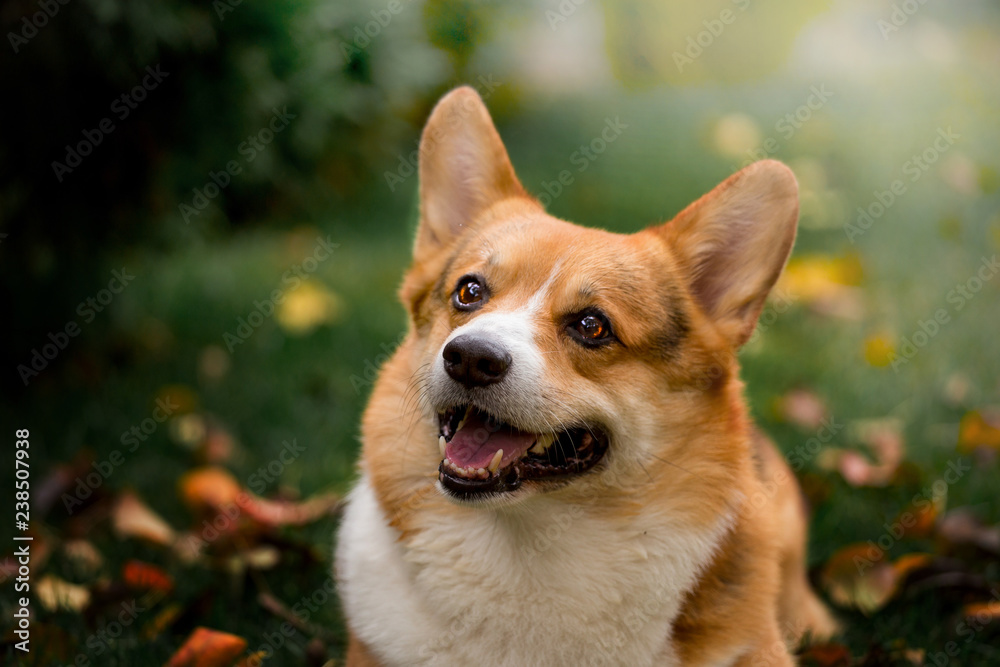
[474,445]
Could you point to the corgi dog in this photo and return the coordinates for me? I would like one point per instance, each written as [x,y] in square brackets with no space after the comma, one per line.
[558,466]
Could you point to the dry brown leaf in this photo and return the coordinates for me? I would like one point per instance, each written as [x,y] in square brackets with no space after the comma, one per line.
[860,576]
[961,527]
[133,518]
[208,648]
[825,655]
[55,593]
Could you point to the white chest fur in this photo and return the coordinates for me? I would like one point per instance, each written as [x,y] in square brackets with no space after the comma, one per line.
[553,587]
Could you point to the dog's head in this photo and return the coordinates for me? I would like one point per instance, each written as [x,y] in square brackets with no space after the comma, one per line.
[553,355]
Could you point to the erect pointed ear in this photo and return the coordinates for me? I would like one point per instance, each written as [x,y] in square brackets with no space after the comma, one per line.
[464,169]
[733,243]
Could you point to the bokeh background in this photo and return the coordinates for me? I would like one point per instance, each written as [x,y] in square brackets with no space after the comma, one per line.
[876,368]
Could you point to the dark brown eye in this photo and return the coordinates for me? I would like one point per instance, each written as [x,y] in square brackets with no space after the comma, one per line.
[591,328]
[469,294]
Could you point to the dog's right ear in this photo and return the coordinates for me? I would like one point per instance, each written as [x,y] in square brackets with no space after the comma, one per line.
[464,169]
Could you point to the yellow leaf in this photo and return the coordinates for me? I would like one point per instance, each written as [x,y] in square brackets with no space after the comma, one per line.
[979,429]
[308,306]
[879,350]
[54,593]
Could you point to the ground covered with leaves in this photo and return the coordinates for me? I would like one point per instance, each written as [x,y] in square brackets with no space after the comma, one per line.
[190,449]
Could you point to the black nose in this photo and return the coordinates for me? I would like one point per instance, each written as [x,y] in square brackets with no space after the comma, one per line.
[475,361]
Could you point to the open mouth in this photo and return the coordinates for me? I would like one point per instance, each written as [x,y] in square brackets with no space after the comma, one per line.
[482,456]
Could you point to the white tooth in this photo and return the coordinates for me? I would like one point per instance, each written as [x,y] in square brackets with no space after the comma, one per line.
[462,421]
[441,444]
[480,473]
[495,463]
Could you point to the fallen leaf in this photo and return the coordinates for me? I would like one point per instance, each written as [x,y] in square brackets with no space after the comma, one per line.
[879,350]
[961,527]
[85,557]
[979,429]
[291,513]
[55,593]
[860,576]
[177,398]
[828,285]
[307,307]
[825,655]
[263,557]
[982,612]
[217,446]
[132,518]
[803,408]
[208,648]
[163,620]
[145,576]
[884,440]
[209,489]
[188,430]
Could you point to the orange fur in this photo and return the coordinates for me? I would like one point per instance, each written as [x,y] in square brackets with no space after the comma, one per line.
[682,298]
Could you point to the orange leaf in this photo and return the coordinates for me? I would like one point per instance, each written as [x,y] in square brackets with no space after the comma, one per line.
[210,489]
[983,612]
[859,576]
[145,576]
[208,648]
[979,429]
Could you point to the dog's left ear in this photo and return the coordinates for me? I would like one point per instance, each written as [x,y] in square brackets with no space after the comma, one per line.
[464,169]
[733,243]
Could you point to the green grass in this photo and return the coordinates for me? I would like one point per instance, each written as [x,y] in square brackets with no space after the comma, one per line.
[312,387]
